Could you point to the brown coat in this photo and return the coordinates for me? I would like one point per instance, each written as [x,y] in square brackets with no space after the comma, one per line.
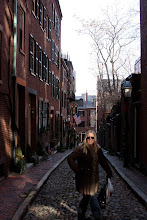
[81,164]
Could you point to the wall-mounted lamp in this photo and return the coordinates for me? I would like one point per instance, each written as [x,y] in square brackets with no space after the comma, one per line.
[127,88]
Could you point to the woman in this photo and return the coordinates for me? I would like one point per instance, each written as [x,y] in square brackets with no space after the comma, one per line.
[84,161]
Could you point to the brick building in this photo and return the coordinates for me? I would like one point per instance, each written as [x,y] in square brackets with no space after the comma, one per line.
[143,127]
[29,90]
[87,112]
[67,98]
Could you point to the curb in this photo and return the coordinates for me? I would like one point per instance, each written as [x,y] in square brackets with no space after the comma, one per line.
[19,214]
[136,191]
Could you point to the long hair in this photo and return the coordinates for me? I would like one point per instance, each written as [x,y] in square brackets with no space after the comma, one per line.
[84,144]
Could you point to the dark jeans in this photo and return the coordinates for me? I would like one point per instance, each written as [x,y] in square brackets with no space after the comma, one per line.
[95,208]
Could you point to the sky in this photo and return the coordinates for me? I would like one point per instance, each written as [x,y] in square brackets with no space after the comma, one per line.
[77,46]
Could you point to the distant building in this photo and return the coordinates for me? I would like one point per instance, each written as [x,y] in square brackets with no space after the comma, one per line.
[87,113]
[137,66]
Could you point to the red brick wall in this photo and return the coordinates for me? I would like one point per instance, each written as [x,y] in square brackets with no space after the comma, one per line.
[24,78]
[5,90]
[143,148]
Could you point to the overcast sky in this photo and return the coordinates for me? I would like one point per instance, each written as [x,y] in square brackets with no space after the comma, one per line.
[78,47]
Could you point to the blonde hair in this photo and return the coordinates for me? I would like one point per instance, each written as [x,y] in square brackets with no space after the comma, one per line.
[84,144]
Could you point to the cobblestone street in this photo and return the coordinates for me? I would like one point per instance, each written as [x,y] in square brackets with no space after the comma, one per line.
[58,199]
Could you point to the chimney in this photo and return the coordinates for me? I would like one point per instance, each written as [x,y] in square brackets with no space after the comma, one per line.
[86,98]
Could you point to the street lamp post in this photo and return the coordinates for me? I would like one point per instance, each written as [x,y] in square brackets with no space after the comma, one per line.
[127,89]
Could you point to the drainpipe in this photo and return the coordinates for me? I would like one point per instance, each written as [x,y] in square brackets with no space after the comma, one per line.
[14,78]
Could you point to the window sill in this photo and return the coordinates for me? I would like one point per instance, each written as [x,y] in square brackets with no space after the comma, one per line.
[33,74]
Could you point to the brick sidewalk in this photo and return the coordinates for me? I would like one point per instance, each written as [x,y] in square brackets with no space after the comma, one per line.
[135,180]
[15,189]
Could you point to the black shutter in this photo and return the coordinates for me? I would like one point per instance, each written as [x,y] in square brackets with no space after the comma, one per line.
[39,116]
[37,55]
[49,29]
[46,68]
[31,53]
[50,73]
[40,11]
[44,18]
[40,54]
[53,12]
[45,115]
[53,51]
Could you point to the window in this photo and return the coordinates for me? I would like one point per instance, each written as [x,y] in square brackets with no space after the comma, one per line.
[42,15]
[48,29]
[48,80]
[44,18]
[92,123]
[36,7]
[92,113]
[53,13]
[21,30]
[44,116]
[32,53]
[81,113]
[52,84]
[37,58]
[55,21]
[76,110]
[40,114]
[44,66]
[82,124]
[53,50]
[40,62]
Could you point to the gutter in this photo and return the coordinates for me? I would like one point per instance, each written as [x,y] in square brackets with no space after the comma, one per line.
[14,78]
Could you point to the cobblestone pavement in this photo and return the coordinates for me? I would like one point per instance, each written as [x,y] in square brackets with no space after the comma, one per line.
[58,199]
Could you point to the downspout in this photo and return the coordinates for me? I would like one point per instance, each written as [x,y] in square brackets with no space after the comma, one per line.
[14,78]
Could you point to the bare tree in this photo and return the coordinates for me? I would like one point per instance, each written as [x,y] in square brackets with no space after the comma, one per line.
[111,37]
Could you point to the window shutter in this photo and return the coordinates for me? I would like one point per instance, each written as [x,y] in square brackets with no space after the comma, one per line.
[37,52]
[58,60]
[37,8]
[46,67]
[49,29]
[45,115]
[50,77]
[55,19]
[31,52]
[39,116]
[43,65]
[53,50]
[53,12]
[58,31]
[44,18]
[40,54]
[40,11]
